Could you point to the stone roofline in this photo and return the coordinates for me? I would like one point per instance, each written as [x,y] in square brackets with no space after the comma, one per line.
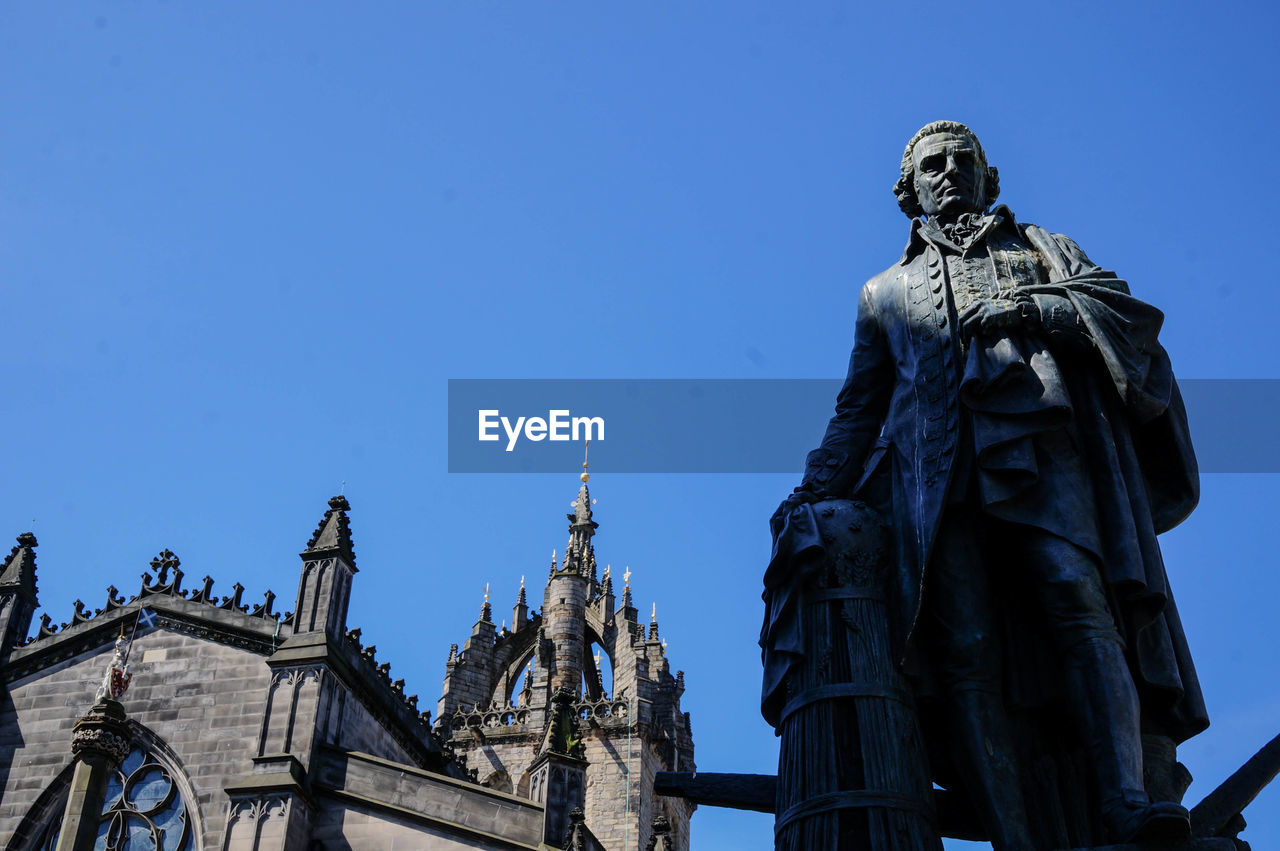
[87,631]
[227,621]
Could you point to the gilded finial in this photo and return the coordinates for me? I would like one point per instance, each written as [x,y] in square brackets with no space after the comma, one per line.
[653,616]
[586,477]
[486,592]
[626,577]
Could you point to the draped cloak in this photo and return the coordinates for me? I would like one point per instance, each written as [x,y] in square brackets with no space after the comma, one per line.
[915,400]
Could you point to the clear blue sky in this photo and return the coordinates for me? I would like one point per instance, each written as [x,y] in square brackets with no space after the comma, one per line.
[245,245]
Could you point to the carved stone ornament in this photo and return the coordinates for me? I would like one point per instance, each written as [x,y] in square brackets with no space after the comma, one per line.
[103,732]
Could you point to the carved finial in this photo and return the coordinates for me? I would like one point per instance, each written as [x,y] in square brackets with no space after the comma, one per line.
[162,564]
[486,592]
[653,623]
[486,611]
[626,589]
[653,615]
[586,477]
[520,598]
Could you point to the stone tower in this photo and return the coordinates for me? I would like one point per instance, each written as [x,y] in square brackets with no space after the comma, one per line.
[527,709]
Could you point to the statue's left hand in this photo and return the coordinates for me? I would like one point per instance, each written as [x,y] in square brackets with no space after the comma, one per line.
[991,316]
[801,496]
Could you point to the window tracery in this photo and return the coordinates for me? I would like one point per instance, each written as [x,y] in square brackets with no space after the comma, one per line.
[144,810]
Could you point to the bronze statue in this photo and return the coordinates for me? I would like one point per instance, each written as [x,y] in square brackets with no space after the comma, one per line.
[1012,417]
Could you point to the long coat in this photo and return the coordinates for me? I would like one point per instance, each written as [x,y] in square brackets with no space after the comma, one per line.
[1094,371]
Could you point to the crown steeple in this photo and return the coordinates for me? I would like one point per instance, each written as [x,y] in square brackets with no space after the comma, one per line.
[546,680]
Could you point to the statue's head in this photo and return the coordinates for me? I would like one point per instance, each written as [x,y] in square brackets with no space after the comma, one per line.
[945,173]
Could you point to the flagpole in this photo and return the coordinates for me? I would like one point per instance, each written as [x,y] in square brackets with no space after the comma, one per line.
[129,647]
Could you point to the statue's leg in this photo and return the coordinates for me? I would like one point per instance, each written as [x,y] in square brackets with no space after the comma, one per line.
[1071,596]
[958,605]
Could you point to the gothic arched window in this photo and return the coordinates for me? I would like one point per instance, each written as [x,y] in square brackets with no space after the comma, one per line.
[144,810]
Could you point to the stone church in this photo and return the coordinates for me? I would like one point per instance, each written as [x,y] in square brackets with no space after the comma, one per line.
[229,725]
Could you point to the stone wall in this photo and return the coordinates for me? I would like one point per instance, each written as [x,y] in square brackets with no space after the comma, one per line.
[202,699]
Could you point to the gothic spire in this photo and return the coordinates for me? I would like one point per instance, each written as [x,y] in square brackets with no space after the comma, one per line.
[19,574]
[579,555]
[333,535]
[653,623]
[520,612]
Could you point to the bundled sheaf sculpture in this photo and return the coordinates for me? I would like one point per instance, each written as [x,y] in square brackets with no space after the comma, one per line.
[852,766]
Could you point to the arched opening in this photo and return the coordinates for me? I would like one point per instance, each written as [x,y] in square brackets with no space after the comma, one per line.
[597,671]
[521,683]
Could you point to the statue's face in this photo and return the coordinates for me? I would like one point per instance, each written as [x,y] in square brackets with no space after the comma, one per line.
[950,178]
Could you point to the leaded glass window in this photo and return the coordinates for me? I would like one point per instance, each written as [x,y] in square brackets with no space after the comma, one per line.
[144,810]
